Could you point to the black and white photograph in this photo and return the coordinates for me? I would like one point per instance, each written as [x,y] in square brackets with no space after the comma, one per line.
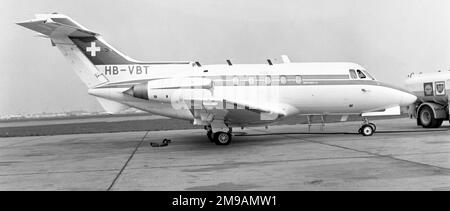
[240,96]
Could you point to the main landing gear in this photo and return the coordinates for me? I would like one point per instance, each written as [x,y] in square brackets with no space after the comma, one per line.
[367,128]
[219,137]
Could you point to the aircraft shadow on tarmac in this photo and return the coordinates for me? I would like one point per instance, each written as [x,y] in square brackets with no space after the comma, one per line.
[247,139]
[420,130]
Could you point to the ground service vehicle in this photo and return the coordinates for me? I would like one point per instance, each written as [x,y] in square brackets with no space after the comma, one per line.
[431,89]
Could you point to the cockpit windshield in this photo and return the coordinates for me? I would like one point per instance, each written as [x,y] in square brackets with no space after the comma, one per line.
[360,74]
[368,75]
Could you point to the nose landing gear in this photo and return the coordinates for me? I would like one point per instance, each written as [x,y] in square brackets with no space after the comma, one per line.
[367,128]
[219,137]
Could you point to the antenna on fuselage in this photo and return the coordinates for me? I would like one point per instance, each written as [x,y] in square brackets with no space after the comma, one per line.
[285,59]
[198,64]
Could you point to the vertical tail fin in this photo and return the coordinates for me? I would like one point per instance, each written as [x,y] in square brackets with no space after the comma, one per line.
[89,55]
[86,51]
[83,49]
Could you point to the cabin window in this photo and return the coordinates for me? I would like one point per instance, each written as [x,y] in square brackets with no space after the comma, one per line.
[298,79]
[155,96]
[268,80]
[283,80]
[251,80]
[235,81]
[353,74]
[361,74]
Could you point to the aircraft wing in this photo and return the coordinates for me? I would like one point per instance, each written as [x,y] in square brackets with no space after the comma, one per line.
[237,112]
[392,111]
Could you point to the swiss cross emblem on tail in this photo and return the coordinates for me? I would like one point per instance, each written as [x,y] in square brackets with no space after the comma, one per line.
[93,49]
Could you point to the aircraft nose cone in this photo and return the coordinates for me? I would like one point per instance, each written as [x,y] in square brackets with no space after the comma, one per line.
[408,99]
[403,97]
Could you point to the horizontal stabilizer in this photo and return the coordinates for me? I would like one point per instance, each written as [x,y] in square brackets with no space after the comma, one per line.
[52,25]
[112,107]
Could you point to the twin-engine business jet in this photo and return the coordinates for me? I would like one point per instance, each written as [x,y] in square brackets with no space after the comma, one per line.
[219,97]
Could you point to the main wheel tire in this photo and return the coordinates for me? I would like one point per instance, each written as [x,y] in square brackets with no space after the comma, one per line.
[222,138]
[367,130]
[427,119]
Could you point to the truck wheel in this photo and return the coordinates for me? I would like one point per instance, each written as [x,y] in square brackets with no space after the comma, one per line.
[427,120]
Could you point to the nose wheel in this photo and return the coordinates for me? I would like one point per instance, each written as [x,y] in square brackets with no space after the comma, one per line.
[367,128]
[219,137]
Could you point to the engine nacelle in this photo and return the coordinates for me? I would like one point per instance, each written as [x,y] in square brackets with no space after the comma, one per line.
[139,91]
[165,89]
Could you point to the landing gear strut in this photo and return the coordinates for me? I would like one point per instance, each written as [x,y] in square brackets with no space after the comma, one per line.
[367,128]
[209,133]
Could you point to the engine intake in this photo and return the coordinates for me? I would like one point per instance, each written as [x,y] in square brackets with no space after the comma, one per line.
[139,91]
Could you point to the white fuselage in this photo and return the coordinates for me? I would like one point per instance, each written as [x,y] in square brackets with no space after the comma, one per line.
[216,95]
[291,88]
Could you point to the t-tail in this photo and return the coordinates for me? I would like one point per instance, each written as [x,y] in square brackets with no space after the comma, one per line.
[84,49]
[91,57]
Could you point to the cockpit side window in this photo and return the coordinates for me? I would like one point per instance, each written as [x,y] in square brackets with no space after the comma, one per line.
[353,74]
[361,74]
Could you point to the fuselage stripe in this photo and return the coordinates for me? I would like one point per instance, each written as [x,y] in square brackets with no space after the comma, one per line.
[221,82]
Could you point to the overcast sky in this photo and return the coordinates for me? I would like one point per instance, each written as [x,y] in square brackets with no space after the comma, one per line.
[391,38]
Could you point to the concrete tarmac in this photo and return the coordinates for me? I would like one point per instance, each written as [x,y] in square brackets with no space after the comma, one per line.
[400,156]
